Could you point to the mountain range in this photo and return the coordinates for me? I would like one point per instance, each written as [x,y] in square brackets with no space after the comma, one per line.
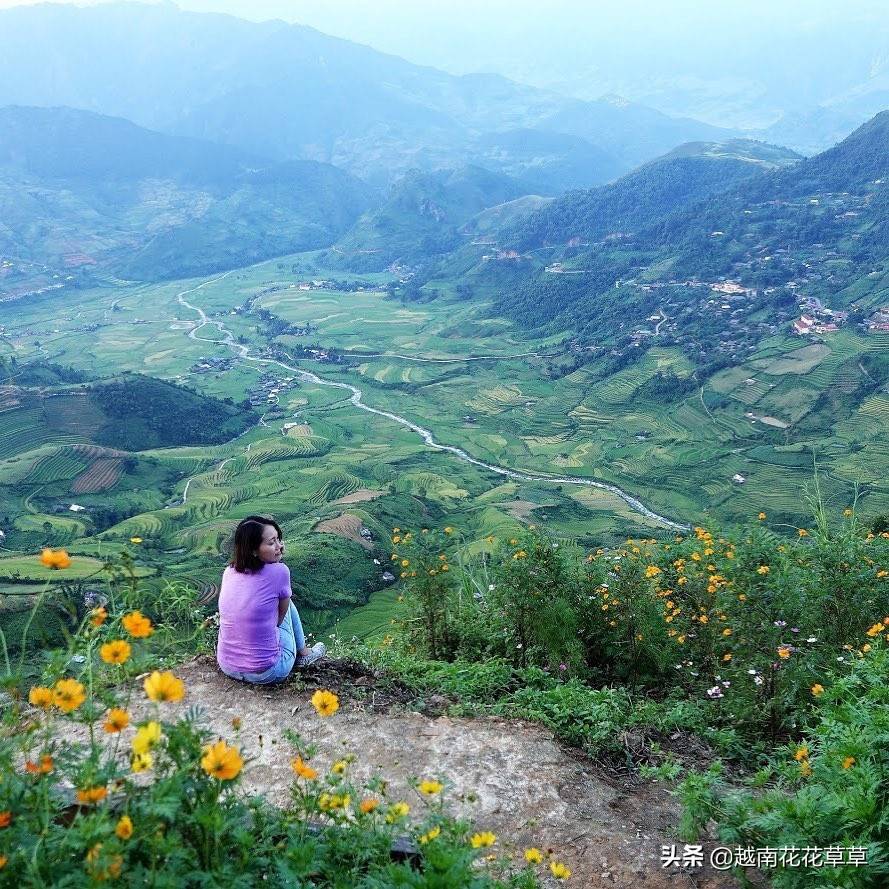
[289,92]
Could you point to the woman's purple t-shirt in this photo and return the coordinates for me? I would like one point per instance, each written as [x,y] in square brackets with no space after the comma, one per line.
[248,617]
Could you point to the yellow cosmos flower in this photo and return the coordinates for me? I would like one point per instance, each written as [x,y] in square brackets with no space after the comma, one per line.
[116,720]
[430,788]
[141,762]
[325,702]
[875,630]
[761,516]
[124,829]
[397,811]
[483,840]
[164,686]
[848,762]
[430,835]
[135,540]
[303,769]
[339,766]
[137,625]
[330,802]
[41,696]
[68,694]
[449,530]
[727,632]
[763,569]
[802,532]
[116,652]
[221,761]
[783,652]
[652,571]
[57,559]
[801,753]
[147,736]
[817,689]
[89,796]
[559,870]
[533,855]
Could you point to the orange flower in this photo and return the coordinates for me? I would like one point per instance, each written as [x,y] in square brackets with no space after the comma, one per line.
[44,767]
[783,652]
[41,696]
[56,559]
[164,686]
[116,720]
[68,694]
[325,702]
[817,689]
[302,769]
[98,616]
[848,762]
[124,829]
[366,806]
[801,753]
[89,796]
[137,625]
[5,818]
[116,652]
[221,761]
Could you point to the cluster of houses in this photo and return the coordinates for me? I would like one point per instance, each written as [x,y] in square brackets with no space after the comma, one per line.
[267,389]
[816,318]
[211,365]
[879,320]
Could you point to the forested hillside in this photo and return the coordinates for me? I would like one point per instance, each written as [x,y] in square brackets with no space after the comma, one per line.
[86,197]
[422,214]
[684,177]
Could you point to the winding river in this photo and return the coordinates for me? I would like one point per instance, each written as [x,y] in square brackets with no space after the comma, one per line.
[356,398]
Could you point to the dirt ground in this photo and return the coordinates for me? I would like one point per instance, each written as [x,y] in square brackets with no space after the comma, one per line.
[509,777]
[347,526]
[360,496]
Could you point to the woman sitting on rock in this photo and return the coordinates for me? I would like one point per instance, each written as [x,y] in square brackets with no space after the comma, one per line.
[260,634]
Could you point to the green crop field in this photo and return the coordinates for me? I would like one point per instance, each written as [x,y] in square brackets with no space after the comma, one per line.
[475,383]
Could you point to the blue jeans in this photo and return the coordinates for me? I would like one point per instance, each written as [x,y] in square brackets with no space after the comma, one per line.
[292,639]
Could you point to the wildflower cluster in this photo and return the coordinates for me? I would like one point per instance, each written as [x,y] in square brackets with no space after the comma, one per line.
[153,792]
[748,623]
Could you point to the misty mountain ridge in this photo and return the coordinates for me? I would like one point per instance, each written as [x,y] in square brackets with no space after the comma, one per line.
[290,92]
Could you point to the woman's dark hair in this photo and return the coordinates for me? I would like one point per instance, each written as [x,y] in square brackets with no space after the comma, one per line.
[248,537]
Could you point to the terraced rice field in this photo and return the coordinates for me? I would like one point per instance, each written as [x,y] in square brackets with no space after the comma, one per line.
[102,475]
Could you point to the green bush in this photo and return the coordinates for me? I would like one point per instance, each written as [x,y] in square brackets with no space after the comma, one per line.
[829,789]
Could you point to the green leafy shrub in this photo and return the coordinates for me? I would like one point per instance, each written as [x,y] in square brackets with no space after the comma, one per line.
[829,789]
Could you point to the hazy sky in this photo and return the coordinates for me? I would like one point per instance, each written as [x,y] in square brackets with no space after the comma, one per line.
[750,55]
